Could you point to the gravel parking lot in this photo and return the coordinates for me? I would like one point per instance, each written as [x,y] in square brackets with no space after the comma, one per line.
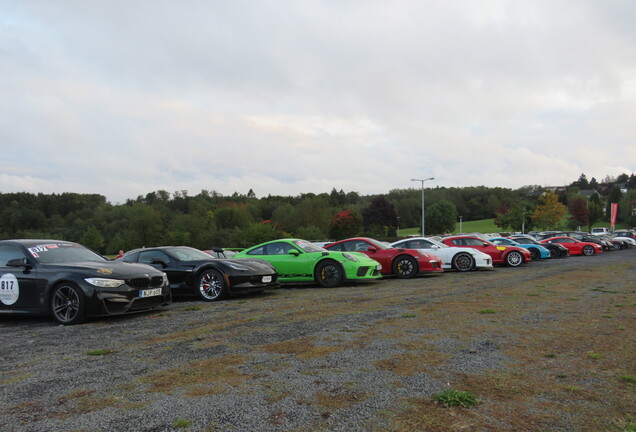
[549,346]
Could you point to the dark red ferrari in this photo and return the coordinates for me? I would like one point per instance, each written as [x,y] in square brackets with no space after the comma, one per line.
[403,263]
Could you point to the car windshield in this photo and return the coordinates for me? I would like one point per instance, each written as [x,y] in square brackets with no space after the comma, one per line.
[188,254]
[525,240]
[308,246]
[58,253]
[437,243]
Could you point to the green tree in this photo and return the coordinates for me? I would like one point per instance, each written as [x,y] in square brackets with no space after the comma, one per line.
[627,208]
[379,216]
[615,195]
[595,213]
[231,217]
[516,218]
[93,239]
[441,217]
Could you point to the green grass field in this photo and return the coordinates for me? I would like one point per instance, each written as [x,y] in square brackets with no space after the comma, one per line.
[482,226]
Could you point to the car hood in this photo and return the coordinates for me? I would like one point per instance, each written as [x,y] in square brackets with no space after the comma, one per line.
[107,269]
[255,264]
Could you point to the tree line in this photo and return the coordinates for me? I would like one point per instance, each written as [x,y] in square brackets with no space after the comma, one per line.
[211,219]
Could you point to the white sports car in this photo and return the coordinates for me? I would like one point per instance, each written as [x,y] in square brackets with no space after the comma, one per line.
[457,258]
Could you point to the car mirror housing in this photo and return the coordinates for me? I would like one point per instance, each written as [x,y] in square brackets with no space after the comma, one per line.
[159,261]
[372,249]
[293,252]
[18,262]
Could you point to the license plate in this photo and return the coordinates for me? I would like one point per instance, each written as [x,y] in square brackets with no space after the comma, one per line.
[267,279]
[150,292]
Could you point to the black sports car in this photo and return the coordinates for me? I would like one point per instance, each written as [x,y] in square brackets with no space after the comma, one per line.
[71,283]
[194,272]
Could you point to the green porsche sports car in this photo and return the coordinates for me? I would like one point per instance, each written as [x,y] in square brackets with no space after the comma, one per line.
[301,261]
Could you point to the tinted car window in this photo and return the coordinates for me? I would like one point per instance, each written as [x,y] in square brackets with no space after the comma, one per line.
[473,242]
[9,252]
[146,257]
[417,244]
[131,258]
[278,248]
[356,246]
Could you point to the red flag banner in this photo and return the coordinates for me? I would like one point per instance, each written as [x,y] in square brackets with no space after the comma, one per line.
[613,215]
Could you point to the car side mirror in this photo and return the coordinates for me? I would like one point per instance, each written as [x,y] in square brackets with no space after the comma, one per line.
[293,252]
[484,244]
[159,261]
[372,249]
[18,262]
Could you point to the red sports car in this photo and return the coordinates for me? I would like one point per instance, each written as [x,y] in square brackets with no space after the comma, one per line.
[404,263]
[512,256]
[576,247]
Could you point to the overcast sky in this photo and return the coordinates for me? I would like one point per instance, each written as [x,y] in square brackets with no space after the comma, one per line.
[125,97]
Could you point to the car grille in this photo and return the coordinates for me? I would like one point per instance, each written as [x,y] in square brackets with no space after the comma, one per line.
[362,271]
[154,282]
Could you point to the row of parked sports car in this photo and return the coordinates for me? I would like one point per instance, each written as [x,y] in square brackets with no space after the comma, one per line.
[71,283]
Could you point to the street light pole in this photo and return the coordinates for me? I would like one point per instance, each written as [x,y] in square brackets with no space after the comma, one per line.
[422,181]
[460,224]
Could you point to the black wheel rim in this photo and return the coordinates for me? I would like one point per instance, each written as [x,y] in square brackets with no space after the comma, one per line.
[463,263]
[554,253]
[210,285]
[329,274]
[66,304]
[405,267]
[534,254]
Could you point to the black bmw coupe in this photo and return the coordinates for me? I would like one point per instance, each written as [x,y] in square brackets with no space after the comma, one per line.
[70,282]
[194,272]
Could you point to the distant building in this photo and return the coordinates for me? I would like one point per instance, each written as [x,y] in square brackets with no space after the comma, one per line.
[587,192]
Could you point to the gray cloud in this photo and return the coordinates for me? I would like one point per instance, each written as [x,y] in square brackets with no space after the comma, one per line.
[122,98]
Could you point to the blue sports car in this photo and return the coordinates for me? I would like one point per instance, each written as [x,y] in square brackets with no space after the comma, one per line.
[537,251]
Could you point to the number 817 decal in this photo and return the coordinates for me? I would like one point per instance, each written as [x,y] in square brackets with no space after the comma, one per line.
[9,289]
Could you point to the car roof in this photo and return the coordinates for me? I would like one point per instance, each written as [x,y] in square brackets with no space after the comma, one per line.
[31,242]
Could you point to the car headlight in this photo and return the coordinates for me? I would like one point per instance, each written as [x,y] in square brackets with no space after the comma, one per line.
[424,253]
[350,257]
[104,283]
[165,280]
[235,266]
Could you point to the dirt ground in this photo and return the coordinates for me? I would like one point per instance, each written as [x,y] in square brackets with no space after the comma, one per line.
[550,346]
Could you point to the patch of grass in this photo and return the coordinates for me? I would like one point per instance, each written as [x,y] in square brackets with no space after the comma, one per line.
[604,290]
[101,352]
[191,308]
[572,388]
[339,399]
[409,315]
[550,355]
[302,348]
[454,398]
[628,378]
[203,377]
[181,423]
[594,355]
[487,311]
